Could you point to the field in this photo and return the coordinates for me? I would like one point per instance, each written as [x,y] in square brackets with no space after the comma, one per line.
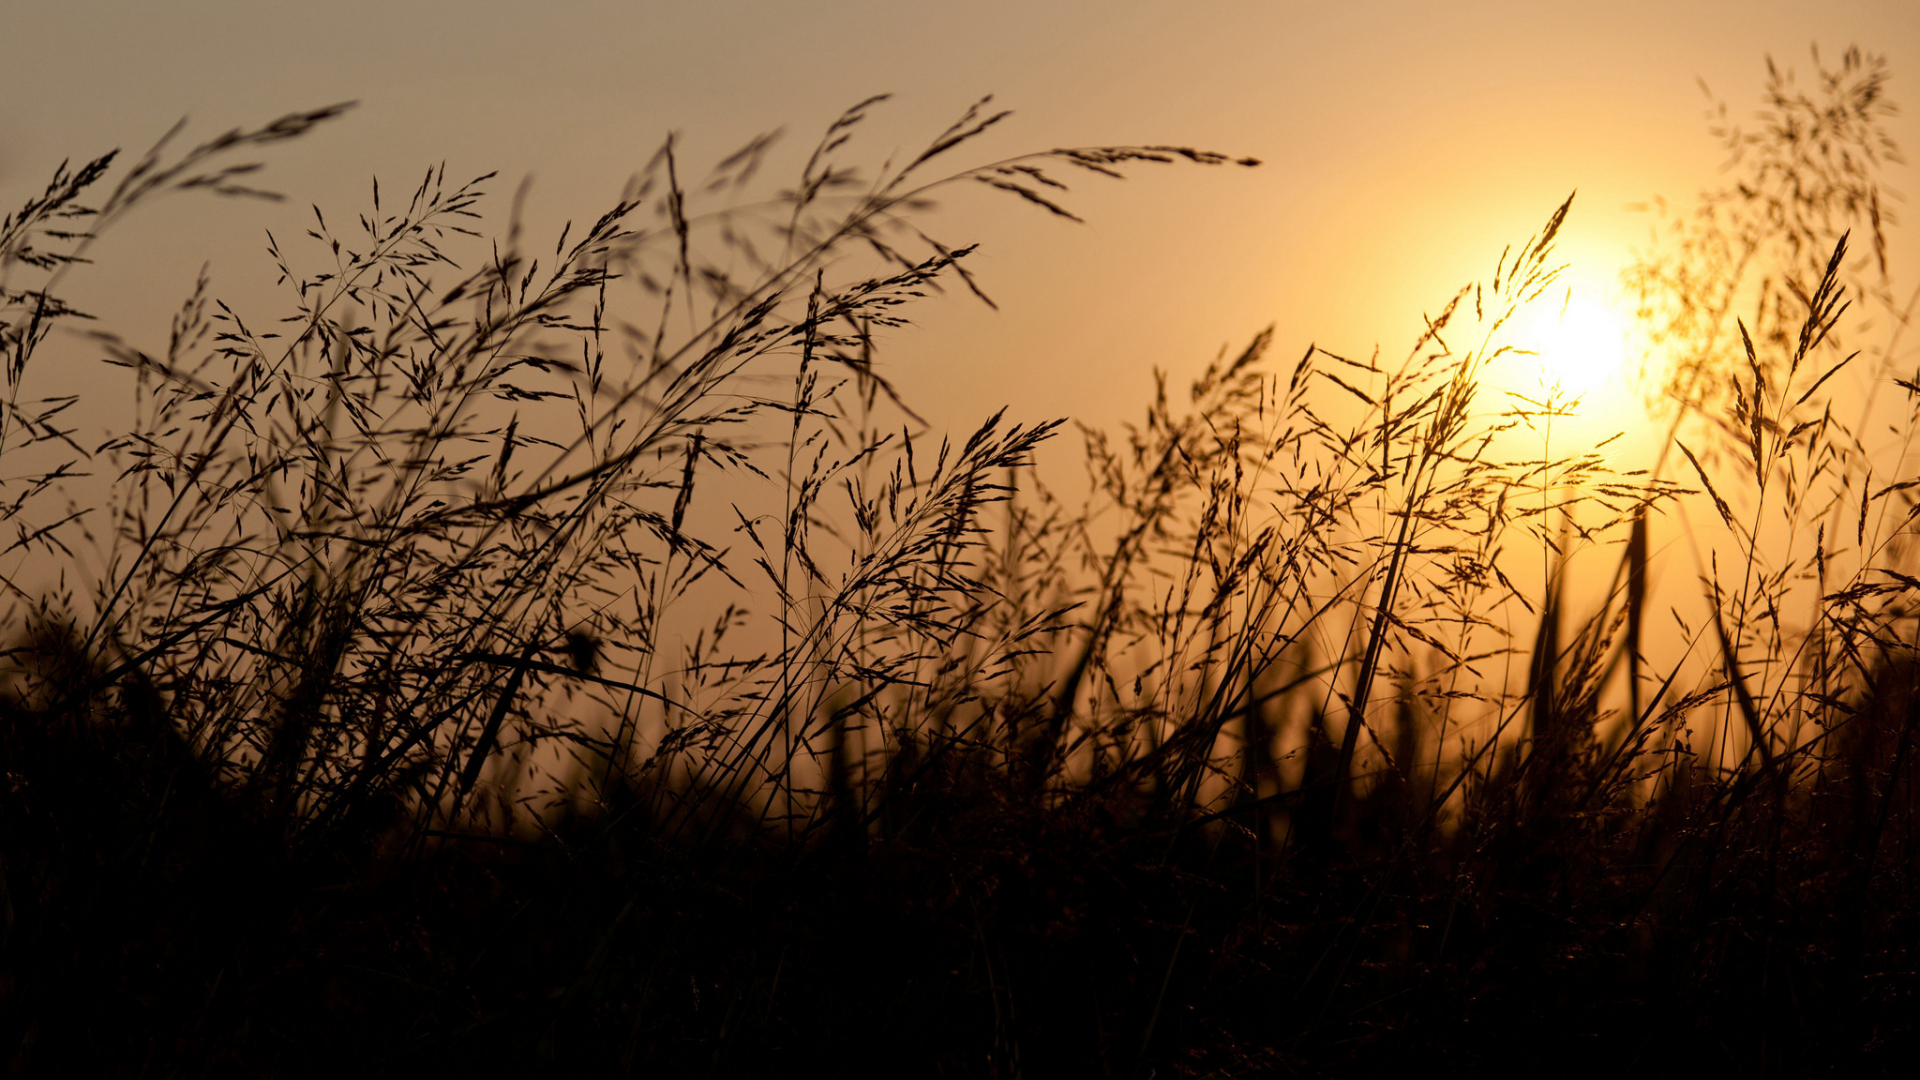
[573,654]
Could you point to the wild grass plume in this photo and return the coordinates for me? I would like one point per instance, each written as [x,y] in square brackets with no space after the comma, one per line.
[576,654]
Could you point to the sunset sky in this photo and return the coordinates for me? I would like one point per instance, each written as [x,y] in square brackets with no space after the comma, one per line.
[1405,143]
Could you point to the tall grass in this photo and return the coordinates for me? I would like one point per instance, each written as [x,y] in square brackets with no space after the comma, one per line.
[584,659]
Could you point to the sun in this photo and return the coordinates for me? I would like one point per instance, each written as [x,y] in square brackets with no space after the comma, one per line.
[1571,369]
[1579,346]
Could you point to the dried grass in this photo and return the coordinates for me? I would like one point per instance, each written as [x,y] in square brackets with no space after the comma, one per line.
[580,658]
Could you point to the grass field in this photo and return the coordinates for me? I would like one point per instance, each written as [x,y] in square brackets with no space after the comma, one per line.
[581,657]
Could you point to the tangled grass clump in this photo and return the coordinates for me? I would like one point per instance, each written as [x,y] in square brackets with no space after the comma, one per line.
[582,660]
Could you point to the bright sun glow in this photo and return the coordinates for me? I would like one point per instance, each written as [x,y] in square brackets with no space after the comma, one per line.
[1580,355]
[1582,345]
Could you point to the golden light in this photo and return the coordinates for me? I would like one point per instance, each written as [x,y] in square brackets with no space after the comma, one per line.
[1580,346]
[1578,353]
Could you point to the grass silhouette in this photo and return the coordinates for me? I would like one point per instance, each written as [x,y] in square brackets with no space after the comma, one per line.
[580,659]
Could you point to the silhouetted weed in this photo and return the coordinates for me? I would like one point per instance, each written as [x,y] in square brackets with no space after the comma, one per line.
[530,660]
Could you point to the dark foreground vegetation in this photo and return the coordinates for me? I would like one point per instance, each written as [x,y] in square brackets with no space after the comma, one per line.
[476,672]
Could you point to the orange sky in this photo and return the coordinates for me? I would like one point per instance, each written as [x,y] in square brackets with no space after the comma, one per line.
[1406,143]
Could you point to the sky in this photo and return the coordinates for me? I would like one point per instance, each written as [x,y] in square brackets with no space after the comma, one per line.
[1405,144]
